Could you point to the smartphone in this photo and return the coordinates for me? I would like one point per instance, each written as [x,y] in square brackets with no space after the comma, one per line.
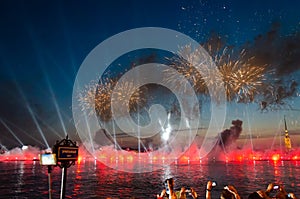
[276,187]
[213,184]
[167,188]
[48,159]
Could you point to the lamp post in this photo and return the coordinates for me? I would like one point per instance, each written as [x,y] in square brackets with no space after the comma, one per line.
[50,181]
[48,159]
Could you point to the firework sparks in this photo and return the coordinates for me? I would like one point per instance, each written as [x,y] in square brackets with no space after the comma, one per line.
[242,80]
[190,73]
[98,97]
[247,81]
[189,64]
[127,90]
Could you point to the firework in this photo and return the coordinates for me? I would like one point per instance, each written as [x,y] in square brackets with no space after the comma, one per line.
[240,78]
[190,73]
[98,97]
[126,90]
[199,72]
[189,64]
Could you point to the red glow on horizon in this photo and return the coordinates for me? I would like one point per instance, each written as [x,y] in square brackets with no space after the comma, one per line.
[190,157]
[296,157]
[275,157]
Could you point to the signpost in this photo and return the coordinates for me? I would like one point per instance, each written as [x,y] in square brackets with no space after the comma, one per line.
[66,153]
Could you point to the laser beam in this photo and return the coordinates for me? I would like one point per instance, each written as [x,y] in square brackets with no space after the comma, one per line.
[37,124]
[56,105]
[26,133]
[11,131]
[31,112]
[49,127]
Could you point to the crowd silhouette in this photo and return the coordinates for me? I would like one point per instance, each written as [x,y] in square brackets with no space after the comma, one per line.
[228,192]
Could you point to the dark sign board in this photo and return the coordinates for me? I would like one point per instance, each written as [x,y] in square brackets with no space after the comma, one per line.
[67,153]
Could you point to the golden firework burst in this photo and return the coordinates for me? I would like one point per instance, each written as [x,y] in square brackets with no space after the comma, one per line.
[239,78]
[242,80]
[98,97]
[204,78]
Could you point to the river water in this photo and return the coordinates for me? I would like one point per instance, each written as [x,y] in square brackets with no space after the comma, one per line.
[89,179]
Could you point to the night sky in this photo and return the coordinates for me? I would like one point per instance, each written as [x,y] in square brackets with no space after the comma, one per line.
[43,44]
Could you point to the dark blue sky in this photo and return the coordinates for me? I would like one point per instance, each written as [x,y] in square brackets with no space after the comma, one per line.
[44,43]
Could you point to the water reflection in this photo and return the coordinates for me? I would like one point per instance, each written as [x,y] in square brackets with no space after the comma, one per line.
[94,180]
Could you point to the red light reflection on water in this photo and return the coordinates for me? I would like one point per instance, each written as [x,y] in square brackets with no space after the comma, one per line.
[256,156]
[79,159]
[190,157]
[27,157]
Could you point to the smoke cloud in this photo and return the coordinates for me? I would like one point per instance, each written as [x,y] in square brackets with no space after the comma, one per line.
[229,136]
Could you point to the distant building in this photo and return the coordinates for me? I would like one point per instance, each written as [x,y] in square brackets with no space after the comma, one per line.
[287,139]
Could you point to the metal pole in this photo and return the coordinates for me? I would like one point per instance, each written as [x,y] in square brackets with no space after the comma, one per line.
[63,183]
[50,181]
